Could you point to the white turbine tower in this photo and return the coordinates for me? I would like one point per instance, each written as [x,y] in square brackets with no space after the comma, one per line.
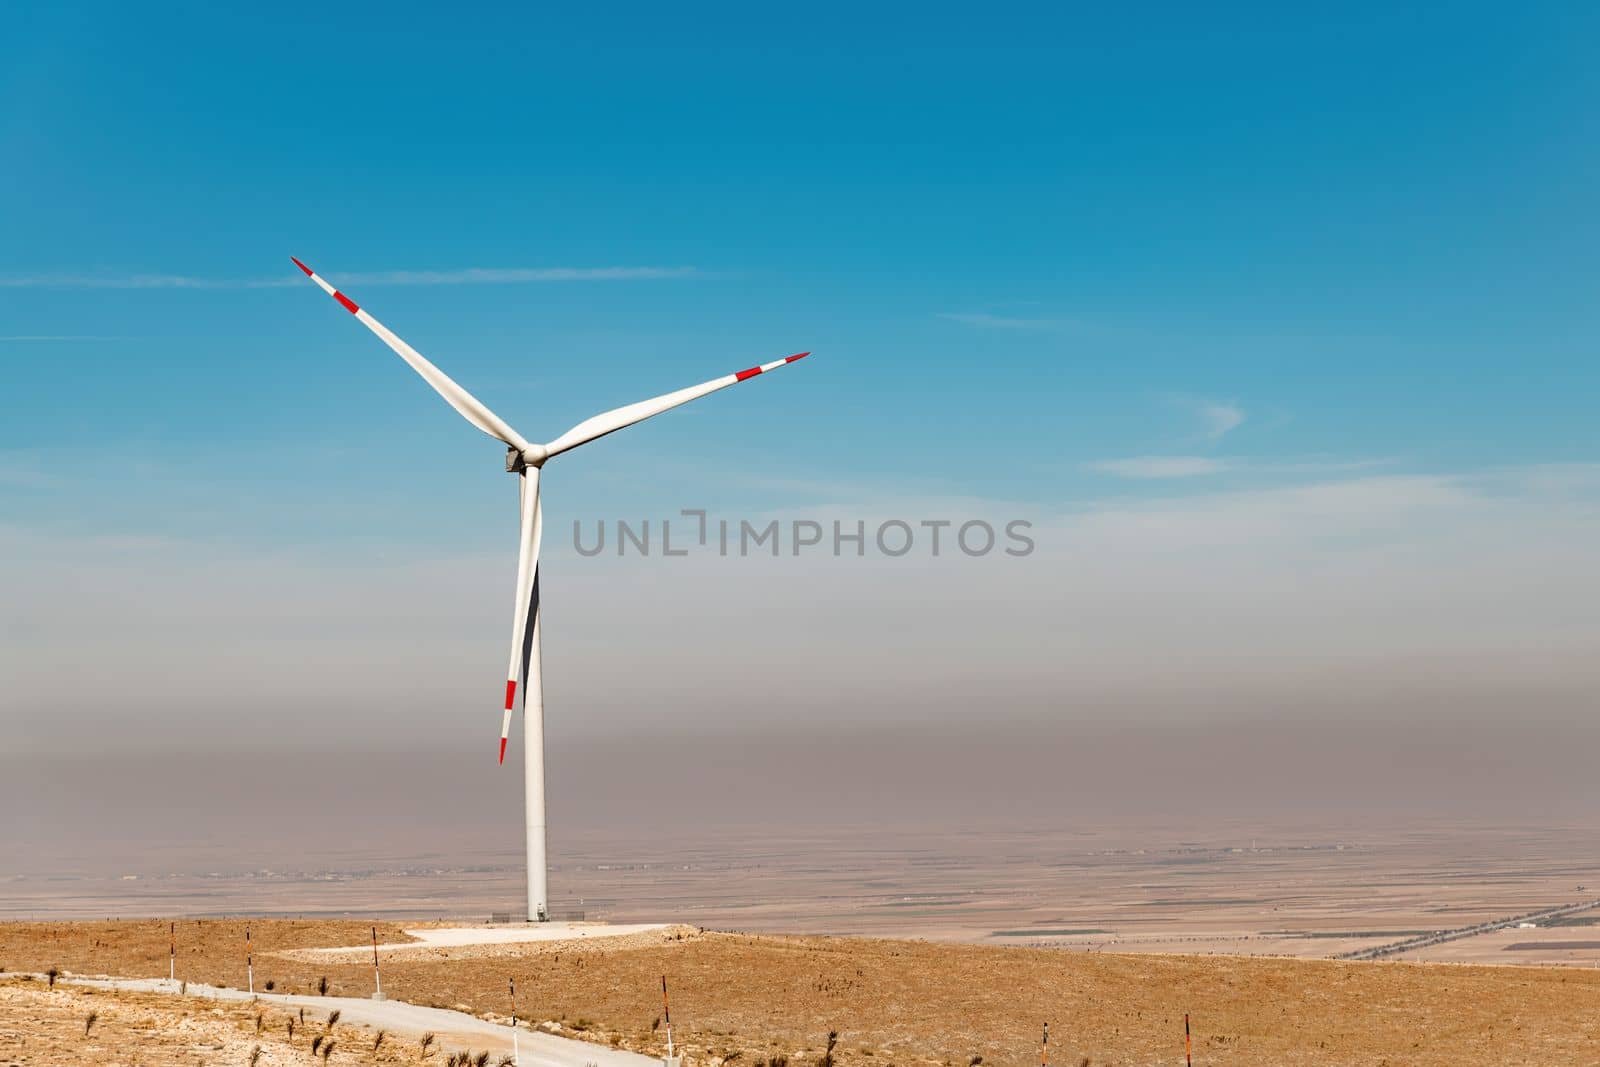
[525,459]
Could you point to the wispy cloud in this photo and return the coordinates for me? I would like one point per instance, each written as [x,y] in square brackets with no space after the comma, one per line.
[1168,467]
[985,320]
[26,338]
[1160,466]
[466,276]
[514,275]
[1219,419]
[136,281]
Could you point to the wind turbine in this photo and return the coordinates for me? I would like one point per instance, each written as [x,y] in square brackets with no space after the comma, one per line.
[525,459]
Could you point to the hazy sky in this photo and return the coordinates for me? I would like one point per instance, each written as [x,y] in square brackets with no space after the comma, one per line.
[1278,330]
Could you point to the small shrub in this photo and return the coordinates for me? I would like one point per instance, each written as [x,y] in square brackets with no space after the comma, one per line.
[88,1022]
[655,1024]
[322,986]
[827,1054]
[271,985]
[327,1049]
[255,1054]
[333,1017]
[378,1040]
[427,1042]
[482,1060]
[779,1061]
[974,1061]
[52,974]
[316,1043]
[290,1024]
[260,1021]
[183,988]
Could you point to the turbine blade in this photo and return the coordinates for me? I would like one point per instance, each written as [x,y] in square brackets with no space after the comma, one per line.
[618,418]
[470,407]
[525,610]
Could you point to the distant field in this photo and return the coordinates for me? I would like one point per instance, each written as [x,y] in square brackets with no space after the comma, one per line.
[1552,946]
[1261,888]
[747,998]
[1384,935]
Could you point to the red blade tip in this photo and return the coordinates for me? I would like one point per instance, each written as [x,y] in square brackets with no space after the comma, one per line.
[797,355]
[502,750]
[302,266]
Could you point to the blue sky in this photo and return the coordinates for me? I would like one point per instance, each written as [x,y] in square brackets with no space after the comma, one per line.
[1050,261]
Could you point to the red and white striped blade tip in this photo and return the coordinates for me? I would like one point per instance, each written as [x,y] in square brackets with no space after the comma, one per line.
[791,359]
[505,724]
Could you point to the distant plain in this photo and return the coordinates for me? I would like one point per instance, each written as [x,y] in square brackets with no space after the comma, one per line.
[1297,888]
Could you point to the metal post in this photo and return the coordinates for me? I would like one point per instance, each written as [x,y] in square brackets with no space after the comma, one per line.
[1044,1048]
[172,954]
[516,1055]
[249,961]
[666,1012]
[377,976]
[1188,1051]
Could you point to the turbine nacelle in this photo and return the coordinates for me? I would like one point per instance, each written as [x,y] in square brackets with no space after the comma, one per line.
[519,460]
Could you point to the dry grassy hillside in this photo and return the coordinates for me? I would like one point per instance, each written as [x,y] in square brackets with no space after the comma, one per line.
[749,999]
[40,1025]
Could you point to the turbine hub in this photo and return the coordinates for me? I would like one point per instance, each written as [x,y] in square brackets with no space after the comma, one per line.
[519,461]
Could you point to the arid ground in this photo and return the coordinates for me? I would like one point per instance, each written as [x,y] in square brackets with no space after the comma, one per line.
[1109,931]
[750,998]
[66,1025]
